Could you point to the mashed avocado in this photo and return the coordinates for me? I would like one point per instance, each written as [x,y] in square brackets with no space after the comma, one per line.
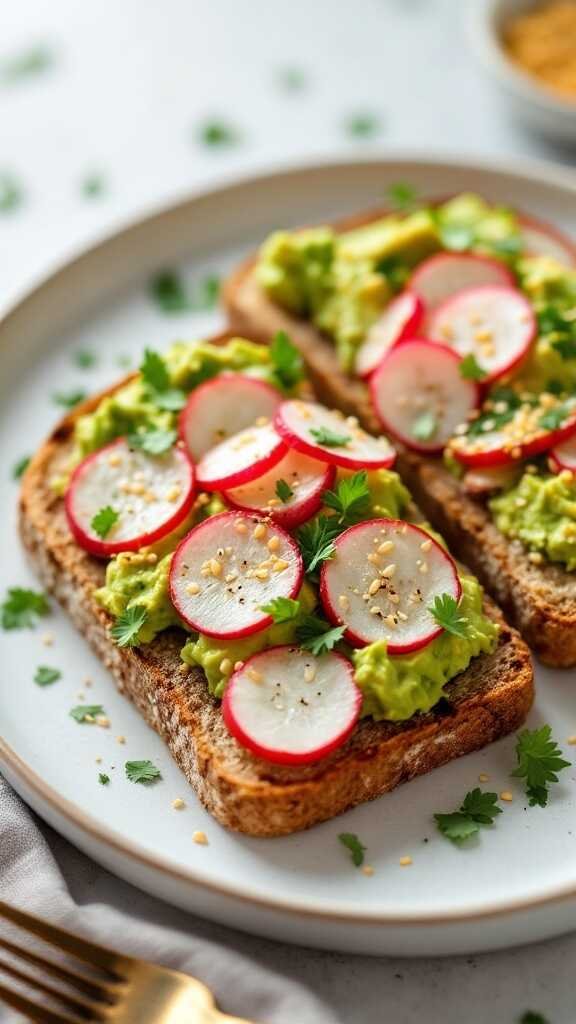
[551,287]
[540,511]
[388,496]
[395,687]
[132,580]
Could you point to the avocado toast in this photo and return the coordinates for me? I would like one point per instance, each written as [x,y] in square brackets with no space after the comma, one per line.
[349,295]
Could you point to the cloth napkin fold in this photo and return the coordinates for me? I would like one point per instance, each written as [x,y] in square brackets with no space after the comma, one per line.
[45,875]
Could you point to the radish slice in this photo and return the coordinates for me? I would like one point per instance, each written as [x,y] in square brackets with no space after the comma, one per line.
[481,482]
[325,434]
[381,583]
[398,321]
[419,395]
[563,457]
[241,458]
[521,437]
[226,568]
[305,477]
[543,240]
[223,406]
[150,496]
[441,276]
[291,708]
[494,323]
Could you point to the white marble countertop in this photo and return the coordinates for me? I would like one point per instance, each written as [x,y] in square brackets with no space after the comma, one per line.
[129,85]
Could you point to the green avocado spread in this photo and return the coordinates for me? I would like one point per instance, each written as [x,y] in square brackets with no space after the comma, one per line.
[540,511]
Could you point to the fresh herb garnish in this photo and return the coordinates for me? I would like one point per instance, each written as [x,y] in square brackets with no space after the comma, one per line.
[93,186]
[507,247]
[447,614]
[157,380]
[425,426]
[351,499]
[25,65]
[21,608]
[44,675]
[477,809]
[395,270]
[283,491]
[555,417]
[169,293]
[19,468]
[506,401]
[69,399]
[292,79]
[103,779]
[218,134]
[207,293]
[352,843]
[530,1017]
[539,761]
[456,237]
[470,368]
[318,636]
[142,771]
[287,361]
[84,359]
[329,438]
[558,327]
[127,626]
[153,442]
[566,347]
[104,520]
[316,540]
[86,712]
[282,609]
[402,196]
[11,193]
[363,125]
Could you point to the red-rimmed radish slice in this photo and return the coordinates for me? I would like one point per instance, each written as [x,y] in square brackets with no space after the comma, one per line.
[305,477]
[223,406]
[381,582]
[540,239]
[420,396]
[563,456]
[291,708]
[400,319]
[226,568]
[494,323]
[327,435]
[243,457]
[482,481]
[444,274]
[521,437]
[150,495]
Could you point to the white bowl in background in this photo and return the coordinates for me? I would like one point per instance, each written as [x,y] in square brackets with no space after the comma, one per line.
[535,104]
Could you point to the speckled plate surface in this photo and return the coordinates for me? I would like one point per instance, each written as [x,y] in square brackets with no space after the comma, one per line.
[516,883]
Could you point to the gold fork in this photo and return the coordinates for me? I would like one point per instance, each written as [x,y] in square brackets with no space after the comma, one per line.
[120,990]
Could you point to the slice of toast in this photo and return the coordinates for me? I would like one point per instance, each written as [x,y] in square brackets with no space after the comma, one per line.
[487,701]
[539,599]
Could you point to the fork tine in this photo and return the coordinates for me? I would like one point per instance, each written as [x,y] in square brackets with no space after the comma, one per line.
[86,1010]
[93,989]
[98,956]
[35,1013]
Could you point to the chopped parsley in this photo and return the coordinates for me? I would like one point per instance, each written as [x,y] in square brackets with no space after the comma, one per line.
[539,761]
[142,771]
[530,1017]
[352,843]
[447,614]
[86,712]
[104,520]
[477,809]
[11,193]
[363,125]
[218,134]
[329,438]
[318,636]
[128,625]
[283,491]
[19,468]
[402,196]
[351,499]
[84,359]
[93,186]
[501,408]
[69,399]
[287,361]
[21,608]
[470,368]
[555,417]
[157,381]
[425,426]
[558,326]
[25,65]
[282,609]
[45,676]
[292,79]
[169,292]
[153,442]
[103,779]
[316,539]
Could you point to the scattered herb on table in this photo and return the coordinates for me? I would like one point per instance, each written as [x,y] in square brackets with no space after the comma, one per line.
[21,608]
[11,193]
[402,196]
[19,467]
[25,64]
[217,133]
[287,361]
[128,625]
[103,779]
[93,186]
[531,1017]
[169,292]
[86,713]
[318,636]
[45,675]
[363,125]
[282,609]
[352,843]
[447,614]
[104,520]
[69,399]
[142,771]
[206,294]
[477,809]
[539,761]
[84,359]
[153,442]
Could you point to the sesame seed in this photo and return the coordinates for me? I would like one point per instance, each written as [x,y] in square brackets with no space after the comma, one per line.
[98,760]
[262,421]
[215,567]
[426,545]
[483,777]
[178,804]
[273,544]
[240,527]
[193,588]
[535,557]
[374,587]
[344,602]
[238,665]
[280,564]
[259,532]
[375,610]
[424,568]
[231,576]
[405,862]
[225,666]
[309,673]
[389,571]
[103,721]
[385,547]
[374,558]
[572,741]
[390,621]
[152,558]
[200,838]
[114,459]
[47,639]
[254,675]
[368,870]
[402,616]
[507,796]
[261,574]
[121,740]
[184,669]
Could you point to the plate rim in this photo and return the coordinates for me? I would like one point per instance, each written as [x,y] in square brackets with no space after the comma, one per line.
[534,172]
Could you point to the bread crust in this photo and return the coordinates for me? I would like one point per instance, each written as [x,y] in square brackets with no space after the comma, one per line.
[487,701]
[539,599]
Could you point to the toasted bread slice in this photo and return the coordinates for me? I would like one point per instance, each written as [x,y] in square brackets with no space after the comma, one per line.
[487,701]
[539,599]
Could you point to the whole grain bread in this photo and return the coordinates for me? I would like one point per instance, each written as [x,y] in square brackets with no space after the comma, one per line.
[487,701]
[539,599]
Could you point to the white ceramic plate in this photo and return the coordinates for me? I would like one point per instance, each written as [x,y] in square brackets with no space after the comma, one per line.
[517,883]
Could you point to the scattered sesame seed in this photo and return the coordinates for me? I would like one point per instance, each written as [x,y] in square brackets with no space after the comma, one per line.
[121,740]
[47,639]
[225,666]
[368,870]
[507,796]
[152,558]
[98,760]
[114,459]
[483,777]
[572,741]
[385,547]
[254,675]
[426,545]
[344,602]
[259,532]
[405,862]
[374,587]
[424,568]
[178,804]
[200,838]
[279,565]
[240,527]
[262,421]
[193,588]
[390,621]
[183,669]
[103,721]
[238,665]
[374,557]
[309,673]
[389,571]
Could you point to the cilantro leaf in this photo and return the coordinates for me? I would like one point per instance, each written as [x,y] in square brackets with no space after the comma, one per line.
[566,347]
[477,809]
[402,196]
[316,540]
[539,761]
[555,417]
[530,1017]
[283,491]
[11,193]
[447,614]
[351,499]
[282,609]
[292,79]
[21,608]
[207,293]
[93,186]
[363,125]
[157,380]
[142,771]
[318,636]
[329,438]
[104,520]
[425,426]
[470,368]
[287,361]
[218,134]
[86,712]
[103,779]
[25,64]
[169,293]
[19,468]
[84,359]
[171,400]
[68,399]
[44,675]
[357,850]
[153,442]
[127,626]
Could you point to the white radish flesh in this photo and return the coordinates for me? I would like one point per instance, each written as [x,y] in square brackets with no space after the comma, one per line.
[329,436]
[226,568]
[150,494]
[398,321]
[289,707]
[381,582]
[306,478]
[420,396]
[564,457]
[241,458]
[443,275]
[222,407]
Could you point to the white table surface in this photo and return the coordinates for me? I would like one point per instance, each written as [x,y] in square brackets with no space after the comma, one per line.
[130,82]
